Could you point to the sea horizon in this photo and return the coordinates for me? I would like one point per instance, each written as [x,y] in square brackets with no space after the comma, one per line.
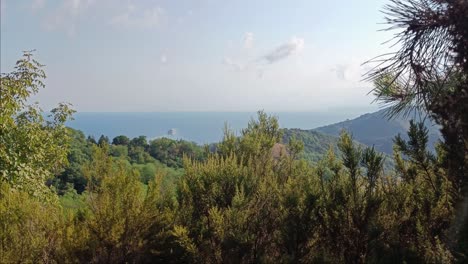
[201,127]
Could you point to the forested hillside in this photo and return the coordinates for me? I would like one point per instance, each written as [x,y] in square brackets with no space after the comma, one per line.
[377,129]
[165,156]
[158,156]
[316,144]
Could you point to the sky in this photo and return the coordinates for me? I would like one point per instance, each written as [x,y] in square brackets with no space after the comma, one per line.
[198,55]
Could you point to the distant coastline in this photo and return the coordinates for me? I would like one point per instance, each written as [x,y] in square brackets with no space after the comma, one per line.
[200,127]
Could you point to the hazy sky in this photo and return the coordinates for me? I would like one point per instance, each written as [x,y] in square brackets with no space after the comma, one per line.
[197,55]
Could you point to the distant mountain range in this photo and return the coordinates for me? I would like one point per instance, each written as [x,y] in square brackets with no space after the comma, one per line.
[373,129]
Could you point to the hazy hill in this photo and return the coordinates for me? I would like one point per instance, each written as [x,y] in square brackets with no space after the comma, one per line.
[317,144]
[375,129]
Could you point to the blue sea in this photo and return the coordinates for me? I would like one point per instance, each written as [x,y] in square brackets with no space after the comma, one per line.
[200,127]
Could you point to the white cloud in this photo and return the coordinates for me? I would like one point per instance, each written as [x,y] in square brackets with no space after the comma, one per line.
[340,71]
[66,15]
[259,65]
[293,46]
[163,59]
[135,17]
[37,4]
[234,65]
[248,40]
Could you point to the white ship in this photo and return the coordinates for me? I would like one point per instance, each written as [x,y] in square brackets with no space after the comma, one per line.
[172,132]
